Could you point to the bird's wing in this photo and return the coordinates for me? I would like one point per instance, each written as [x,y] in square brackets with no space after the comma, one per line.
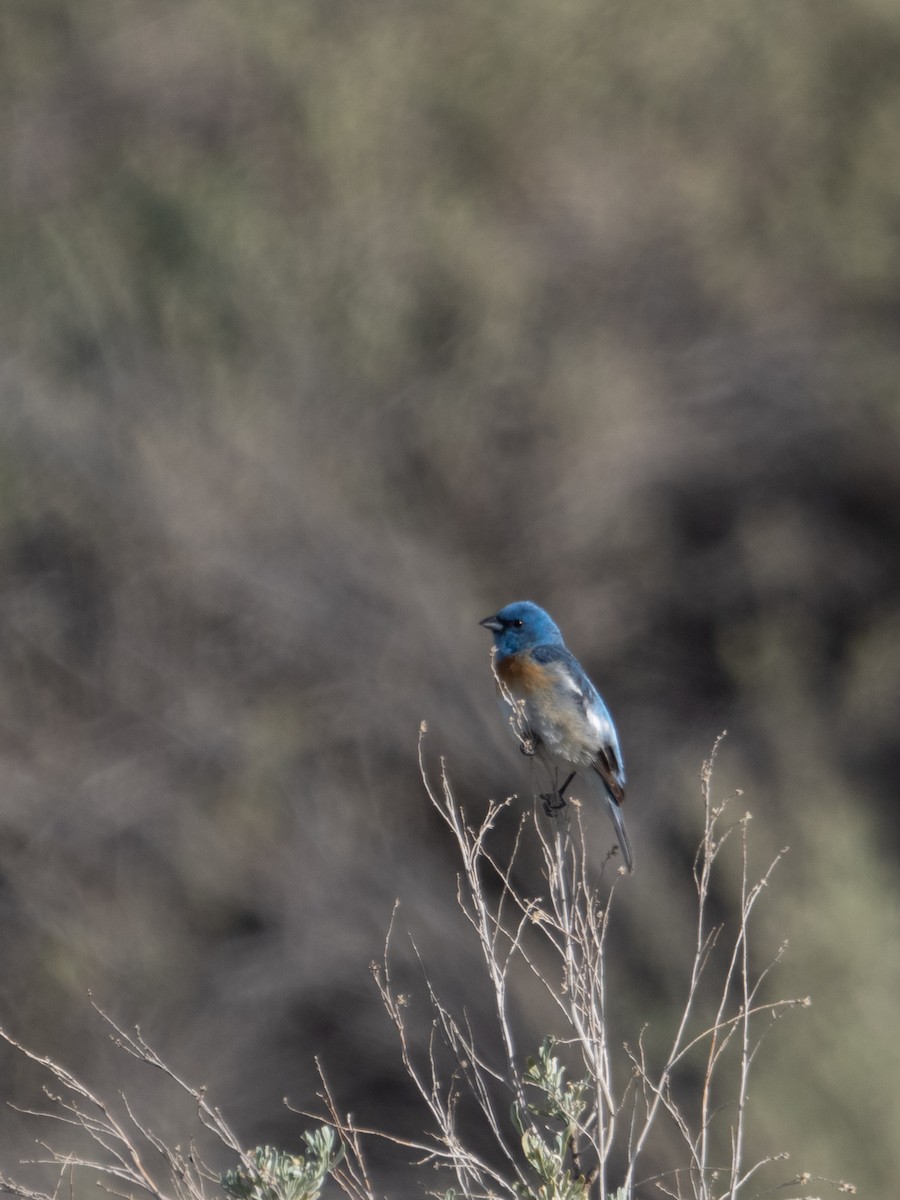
[611,772]
[608,757]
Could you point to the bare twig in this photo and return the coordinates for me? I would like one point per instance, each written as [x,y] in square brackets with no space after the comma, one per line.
[554,1128]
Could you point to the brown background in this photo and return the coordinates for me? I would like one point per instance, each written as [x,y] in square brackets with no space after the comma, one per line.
[325,330]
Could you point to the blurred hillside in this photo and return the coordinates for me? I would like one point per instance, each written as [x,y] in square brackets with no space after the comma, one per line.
[326,328]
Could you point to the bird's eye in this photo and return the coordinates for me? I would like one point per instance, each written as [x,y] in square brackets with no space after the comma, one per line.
[517,624]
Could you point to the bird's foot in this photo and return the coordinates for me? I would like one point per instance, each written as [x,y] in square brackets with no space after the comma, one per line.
[553,803]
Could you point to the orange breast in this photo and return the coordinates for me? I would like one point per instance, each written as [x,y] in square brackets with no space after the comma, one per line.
[522,675]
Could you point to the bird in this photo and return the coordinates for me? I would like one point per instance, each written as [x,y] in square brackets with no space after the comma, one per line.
[561,717]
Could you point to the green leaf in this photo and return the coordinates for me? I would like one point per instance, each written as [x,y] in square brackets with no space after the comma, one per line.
[272,1174]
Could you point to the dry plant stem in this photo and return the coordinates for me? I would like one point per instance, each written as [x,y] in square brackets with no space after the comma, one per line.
[122,1144]
[499,948]
[658,1088]
[724,1028]
[473,1174]
[655,1086]
[575,909]
[560,938]
[573,924]
[352,1176]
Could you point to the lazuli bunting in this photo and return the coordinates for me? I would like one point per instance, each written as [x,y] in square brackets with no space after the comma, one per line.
[559,711]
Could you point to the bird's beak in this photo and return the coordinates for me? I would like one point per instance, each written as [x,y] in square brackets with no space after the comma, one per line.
[493,623]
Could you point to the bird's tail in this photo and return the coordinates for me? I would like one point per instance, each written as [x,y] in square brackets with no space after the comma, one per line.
[595,786]
[615,814]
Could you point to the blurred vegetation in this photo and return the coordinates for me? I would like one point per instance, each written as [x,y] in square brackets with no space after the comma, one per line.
[327,327]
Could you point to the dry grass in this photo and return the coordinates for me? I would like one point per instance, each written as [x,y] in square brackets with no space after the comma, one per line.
[572,1121]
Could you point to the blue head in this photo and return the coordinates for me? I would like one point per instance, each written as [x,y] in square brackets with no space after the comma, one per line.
[521,626]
